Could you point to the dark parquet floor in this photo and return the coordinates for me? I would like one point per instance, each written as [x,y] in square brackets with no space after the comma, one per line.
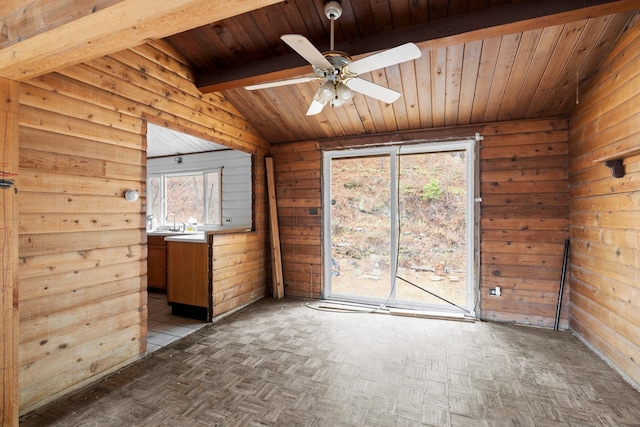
[280,363]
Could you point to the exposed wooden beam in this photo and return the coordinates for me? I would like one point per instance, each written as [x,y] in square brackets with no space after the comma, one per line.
[494,22]
[120,26]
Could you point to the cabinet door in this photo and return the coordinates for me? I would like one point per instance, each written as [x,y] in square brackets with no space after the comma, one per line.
[157,267]
[188,274]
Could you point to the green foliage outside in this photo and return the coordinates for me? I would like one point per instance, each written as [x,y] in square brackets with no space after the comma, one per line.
[432,191]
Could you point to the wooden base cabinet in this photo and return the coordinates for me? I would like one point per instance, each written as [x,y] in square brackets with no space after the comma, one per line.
[188,274]
[157,262]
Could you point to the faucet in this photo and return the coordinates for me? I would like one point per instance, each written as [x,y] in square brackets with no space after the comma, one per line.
[174,220]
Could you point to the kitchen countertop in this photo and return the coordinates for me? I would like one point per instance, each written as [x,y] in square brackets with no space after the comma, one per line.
[165,233]
[199,237]
[195,237]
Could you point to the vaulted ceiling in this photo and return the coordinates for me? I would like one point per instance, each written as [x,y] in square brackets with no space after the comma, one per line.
[482,61]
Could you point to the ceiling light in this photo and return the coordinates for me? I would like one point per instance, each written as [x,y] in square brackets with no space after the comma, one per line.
[343,92]
[342,95]
[326,92]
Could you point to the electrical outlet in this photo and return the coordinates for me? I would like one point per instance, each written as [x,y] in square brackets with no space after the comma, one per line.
[495,292]
[227,220]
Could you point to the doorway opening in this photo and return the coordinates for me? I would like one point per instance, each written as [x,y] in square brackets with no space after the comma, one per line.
[400,226]
[193,186]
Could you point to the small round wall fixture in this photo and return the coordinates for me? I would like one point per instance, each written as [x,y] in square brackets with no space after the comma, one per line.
[131,195]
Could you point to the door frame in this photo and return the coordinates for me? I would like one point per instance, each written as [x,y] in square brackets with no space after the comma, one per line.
[472,218]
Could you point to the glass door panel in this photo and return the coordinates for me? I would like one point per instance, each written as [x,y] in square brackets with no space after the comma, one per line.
[432,227]
[361,227]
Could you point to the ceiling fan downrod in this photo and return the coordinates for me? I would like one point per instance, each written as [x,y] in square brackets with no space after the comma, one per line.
[333,11]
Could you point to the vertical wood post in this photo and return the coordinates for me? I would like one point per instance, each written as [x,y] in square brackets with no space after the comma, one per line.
[8,253]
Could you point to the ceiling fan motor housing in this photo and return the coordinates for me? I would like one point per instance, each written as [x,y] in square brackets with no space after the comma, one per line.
[338,60]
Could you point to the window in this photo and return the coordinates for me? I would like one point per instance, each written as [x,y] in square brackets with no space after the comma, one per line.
[215,188]
[180,196]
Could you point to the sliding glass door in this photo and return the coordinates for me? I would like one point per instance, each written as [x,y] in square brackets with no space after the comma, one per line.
[399,226]
[361,226]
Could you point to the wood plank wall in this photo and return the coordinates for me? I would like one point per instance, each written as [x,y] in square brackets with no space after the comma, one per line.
[9,166]
[525,218]
[82,270]
[81,246]
[605,211]
[240,270]
[298,171]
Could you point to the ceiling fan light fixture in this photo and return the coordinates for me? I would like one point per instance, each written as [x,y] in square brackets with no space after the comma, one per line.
[334,93]
[326,92]
[343,92]
[338,102]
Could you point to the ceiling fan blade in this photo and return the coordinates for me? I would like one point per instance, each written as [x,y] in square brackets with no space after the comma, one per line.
[373,90]
[315,108]
[308,51]
[393,56]
[277,83]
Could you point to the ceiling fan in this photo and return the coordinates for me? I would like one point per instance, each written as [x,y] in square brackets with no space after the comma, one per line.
[339,72]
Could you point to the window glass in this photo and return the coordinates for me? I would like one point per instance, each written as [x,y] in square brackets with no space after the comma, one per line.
[185,198]
[213,197]
[154,197]
[175,198]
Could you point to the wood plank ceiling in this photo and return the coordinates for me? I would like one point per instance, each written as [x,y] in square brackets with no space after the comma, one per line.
[163,142]
[535,71]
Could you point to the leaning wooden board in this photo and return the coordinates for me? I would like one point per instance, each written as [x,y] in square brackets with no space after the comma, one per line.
[276,256]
